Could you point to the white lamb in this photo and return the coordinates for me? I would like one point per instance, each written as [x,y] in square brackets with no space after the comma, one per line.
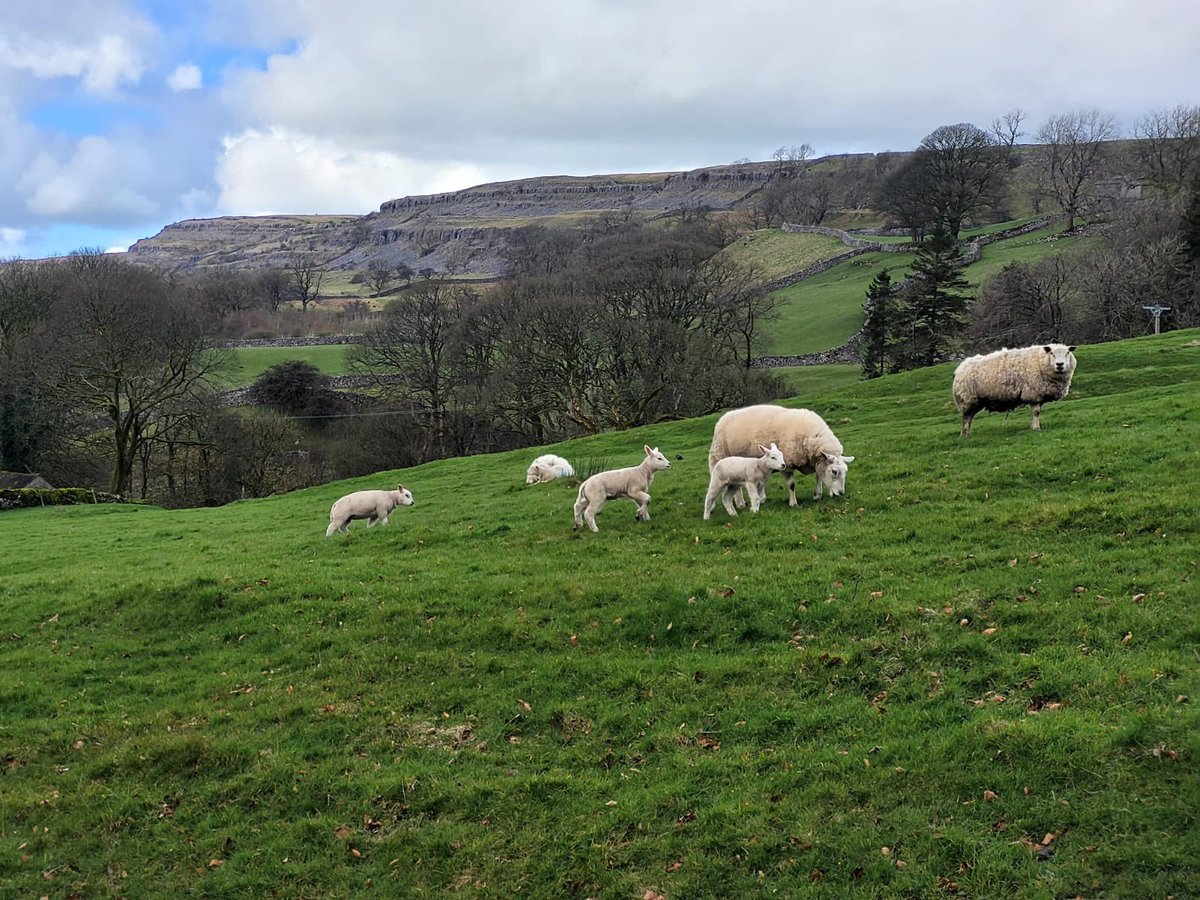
[548,467]
[807,443]
[373,506]
[631,482]
[730,473]
[1006,379]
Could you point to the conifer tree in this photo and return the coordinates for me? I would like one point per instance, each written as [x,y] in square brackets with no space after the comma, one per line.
[879,310]
[932,313]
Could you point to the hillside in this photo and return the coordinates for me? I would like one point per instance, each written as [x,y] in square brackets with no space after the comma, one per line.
[461,231]
[975,675]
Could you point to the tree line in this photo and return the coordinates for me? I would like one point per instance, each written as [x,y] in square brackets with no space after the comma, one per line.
[110,372]
[1146,252]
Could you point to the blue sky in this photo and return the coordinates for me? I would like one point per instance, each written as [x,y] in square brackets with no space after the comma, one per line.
[118,117]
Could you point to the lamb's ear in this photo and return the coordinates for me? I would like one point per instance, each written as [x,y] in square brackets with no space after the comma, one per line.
[765,449]
[400,488]
[847,459]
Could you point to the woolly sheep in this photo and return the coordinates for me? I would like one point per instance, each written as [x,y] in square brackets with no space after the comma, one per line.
[373,506]
[732,472]
[1006,379]
[631,482]
[807,443]
[547,467]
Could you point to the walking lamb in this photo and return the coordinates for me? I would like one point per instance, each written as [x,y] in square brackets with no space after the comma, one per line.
[373,506]
[730,473]
[632,482]
[1006,379]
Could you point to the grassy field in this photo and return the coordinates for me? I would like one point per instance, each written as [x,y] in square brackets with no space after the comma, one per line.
[808,382]
[247,364]
[774,253]
[975,675]
[824,311]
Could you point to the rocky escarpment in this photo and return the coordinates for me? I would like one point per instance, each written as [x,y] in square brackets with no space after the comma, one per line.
[454,232]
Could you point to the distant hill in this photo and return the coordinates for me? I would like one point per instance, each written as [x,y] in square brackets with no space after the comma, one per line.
[465,232]
[458,231]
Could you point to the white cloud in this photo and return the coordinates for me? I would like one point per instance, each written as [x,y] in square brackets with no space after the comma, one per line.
[102,65]
[11,241]
[92,183]
[282,171]
[186,77]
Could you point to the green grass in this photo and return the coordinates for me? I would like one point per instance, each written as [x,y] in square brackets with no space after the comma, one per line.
[774,254]
[818,381]
[247,364]
[985,642]
[825,310]
[822,312]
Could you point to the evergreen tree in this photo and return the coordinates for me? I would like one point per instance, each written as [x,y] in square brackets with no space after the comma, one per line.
[877,327]
[932,313]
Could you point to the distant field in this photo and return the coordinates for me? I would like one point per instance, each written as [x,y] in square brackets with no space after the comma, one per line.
[248,363]
[808,382]
[774,253]
[824,311]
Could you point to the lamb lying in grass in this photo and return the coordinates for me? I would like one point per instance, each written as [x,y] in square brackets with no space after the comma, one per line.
[730,473]
[373,506]
[632,482]
[548,467]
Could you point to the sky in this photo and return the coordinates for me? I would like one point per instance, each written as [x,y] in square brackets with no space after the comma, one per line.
[119,117]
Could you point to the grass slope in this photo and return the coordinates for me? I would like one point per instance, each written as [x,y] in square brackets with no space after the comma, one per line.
[247,364]
[905,691]
[823,311]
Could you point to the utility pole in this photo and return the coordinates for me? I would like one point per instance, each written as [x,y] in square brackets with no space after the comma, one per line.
[1157,312]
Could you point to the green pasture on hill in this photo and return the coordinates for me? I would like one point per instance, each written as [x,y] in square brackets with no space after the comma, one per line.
[247,364]
[824,311]
[974,675]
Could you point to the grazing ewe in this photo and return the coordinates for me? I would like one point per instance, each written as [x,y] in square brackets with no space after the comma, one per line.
[1006,379]
[373,506]
[632,482]
[730,473]
[806,441]
[548,467]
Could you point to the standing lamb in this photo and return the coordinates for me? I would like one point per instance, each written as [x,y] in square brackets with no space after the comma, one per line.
[373,506]
[1006,379]
[548,467]
[730,473]
[632,482]
[807,443]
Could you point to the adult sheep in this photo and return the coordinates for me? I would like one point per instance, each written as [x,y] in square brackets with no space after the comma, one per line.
[1006,379]
[373,506]
[807,443]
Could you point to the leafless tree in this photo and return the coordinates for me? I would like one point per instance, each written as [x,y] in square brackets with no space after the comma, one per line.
[1007,128]
[272,287]
[1071,154]
[305,276]
[789,161]
[1168,148]
[965,169]
[379,275]
[137,351]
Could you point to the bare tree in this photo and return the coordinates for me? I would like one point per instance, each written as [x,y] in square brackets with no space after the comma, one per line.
[789,160]
[379,276]
[965,170]
[306,276]
[1168,147]
[1007,128]
[272,287]
[1071,155]
[137,352]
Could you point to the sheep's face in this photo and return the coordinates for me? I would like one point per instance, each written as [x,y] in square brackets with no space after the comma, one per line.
[657,460]
[1059,358]
[405,495]
[774,457]
[833,472]
[534,475]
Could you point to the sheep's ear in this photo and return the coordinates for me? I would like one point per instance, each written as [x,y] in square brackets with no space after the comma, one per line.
[400,488]
[1048,348]
[646,447]
[1070,349]
[847,459]
[765,449]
